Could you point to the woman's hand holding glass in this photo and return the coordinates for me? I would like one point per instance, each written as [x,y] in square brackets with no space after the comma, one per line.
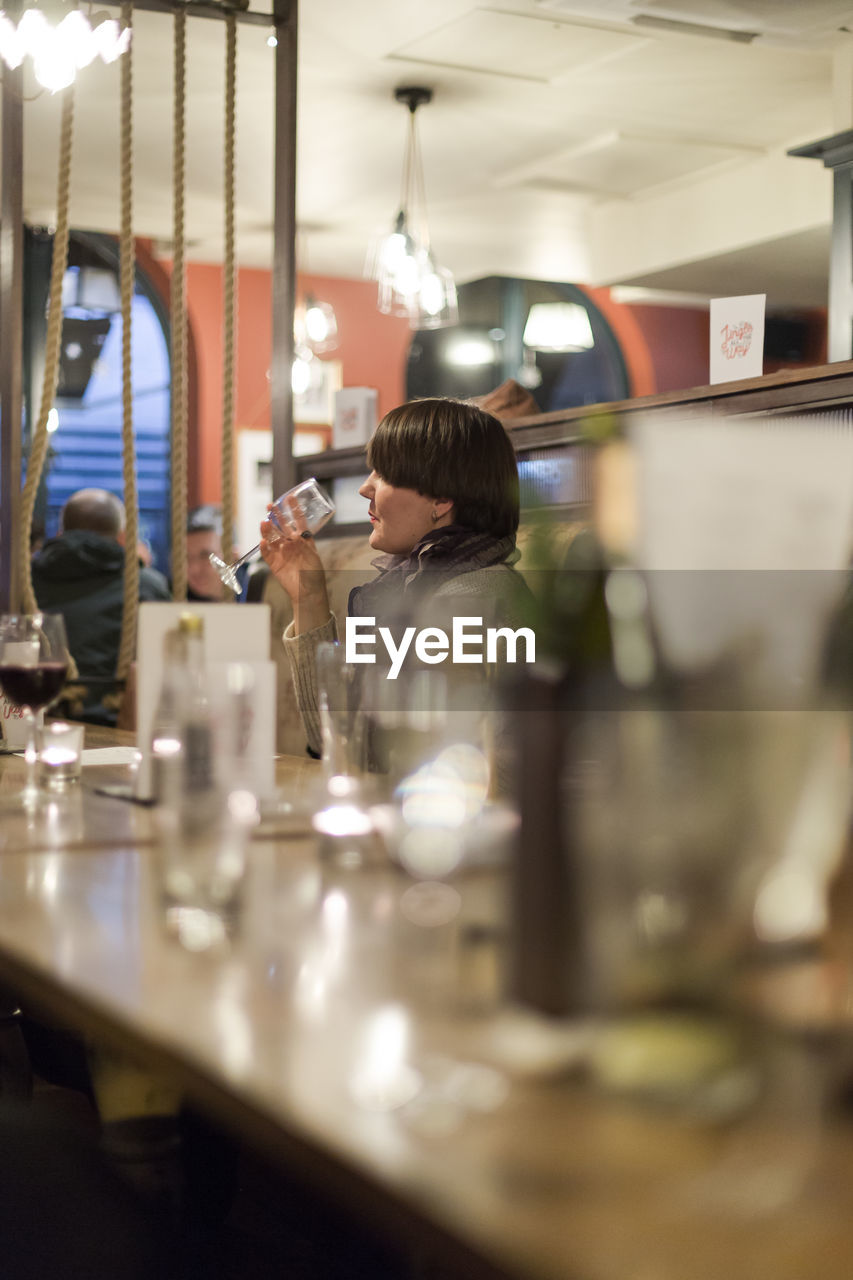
[292,556]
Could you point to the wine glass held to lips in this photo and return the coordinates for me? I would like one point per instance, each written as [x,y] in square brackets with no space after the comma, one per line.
[303,509]
[33,670]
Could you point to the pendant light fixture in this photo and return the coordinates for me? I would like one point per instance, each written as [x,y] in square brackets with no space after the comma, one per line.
[315,330]
[411,282]
[60,39]
[315,325]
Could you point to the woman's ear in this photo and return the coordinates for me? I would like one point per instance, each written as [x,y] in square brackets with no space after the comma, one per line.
[442,508]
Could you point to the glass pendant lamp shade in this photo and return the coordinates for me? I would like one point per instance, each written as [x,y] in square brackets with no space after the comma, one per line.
[301,372]
[437,304]
[60,39]
[558,326]
[321,325]
[315,325]
[410,281]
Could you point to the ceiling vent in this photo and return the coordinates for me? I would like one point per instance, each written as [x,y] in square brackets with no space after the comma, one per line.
[770,21]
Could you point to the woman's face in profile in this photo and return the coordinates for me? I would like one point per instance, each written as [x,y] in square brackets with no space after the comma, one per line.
[399,517]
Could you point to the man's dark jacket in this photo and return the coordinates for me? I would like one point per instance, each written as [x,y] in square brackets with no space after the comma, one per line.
[81,575]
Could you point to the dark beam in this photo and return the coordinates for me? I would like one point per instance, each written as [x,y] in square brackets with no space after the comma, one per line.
[11,325]
[284,247]
[836,152]
[199,10]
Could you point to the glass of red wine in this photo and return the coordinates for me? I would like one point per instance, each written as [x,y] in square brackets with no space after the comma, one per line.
[33,669]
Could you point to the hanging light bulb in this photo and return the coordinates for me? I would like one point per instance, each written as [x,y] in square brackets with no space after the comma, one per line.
[60,40]
[321,325]
[300,373]
[437,296]
[410,281]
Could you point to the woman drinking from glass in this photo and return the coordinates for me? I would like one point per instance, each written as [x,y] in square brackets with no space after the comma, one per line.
[443,505]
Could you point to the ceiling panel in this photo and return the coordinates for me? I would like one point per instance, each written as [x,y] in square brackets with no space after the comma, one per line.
[621,164]
[509,44]
[552,112]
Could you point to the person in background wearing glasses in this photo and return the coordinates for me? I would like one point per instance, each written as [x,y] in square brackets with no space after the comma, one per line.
[204,535]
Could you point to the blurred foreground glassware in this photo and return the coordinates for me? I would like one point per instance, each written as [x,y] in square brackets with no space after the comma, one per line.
[305,508]
[61,755]
[683,817]
[205,806]
[33,669]
[342,719]
[407,720]
[344,825]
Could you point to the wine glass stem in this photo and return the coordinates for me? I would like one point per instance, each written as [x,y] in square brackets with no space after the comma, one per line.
[31,753]
[244,559]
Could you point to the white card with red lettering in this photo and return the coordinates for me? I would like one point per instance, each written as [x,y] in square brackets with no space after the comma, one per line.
[737,337]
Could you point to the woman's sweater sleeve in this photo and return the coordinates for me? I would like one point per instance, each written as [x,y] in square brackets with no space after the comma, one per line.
[301,651]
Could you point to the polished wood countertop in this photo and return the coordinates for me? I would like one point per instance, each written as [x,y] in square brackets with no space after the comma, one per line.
[354,1032]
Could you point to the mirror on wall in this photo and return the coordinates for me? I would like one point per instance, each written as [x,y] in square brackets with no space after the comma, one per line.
[548,337]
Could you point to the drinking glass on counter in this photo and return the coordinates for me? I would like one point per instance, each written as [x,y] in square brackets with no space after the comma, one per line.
[33,668]
[342,716]
[305,508]
[205,805]
[61,755]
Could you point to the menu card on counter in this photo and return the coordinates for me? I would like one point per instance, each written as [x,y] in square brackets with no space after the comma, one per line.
[745,528]
[737,337]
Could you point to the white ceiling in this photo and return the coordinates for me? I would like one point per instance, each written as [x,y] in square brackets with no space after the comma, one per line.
[560,146]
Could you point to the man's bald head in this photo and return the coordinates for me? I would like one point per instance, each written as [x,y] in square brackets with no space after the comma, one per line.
[95,510]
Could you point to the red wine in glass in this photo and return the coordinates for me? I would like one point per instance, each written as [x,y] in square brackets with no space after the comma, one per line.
[33,687]
[33,667]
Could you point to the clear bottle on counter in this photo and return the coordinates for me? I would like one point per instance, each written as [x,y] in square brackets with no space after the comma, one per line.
[166,732]
[201,843]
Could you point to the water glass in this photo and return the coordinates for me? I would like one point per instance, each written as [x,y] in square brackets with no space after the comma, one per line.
[206,817]
[61,755]
[339,686]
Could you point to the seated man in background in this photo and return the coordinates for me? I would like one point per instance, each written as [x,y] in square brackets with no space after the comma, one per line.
[204,537]
[80,574]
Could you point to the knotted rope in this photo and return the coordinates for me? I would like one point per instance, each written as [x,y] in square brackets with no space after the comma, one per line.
[38,444]
[179,321]
[229,292]
[127,263]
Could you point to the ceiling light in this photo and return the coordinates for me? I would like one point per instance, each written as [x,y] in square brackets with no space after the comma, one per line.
[558,326]
[300,373]
[60,39]
[411,281]
[315,325]
[471,352]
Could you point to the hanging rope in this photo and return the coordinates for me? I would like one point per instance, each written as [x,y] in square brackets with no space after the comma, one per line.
[38,444]
[229,294]
[126,258]
[179,323]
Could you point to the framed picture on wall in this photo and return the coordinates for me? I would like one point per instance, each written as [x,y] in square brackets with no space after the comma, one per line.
[317,402]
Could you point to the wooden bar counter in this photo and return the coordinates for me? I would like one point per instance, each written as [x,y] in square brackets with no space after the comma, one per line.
[352,1031]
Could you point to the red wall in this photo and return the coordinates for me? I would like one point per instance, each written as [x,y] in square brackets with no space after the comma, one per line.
[372,352]
[677,340]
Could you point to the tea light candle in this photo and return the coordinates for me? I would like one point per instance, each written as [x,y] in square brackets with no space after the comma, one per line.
[60,758]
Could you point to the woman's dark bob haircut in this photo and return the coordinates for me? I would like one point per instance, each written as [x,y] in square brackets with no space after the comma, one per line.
[450,449]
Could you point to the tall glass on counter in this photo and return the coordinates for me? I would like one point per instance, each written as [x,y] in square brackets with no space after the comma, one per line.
[204,807]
